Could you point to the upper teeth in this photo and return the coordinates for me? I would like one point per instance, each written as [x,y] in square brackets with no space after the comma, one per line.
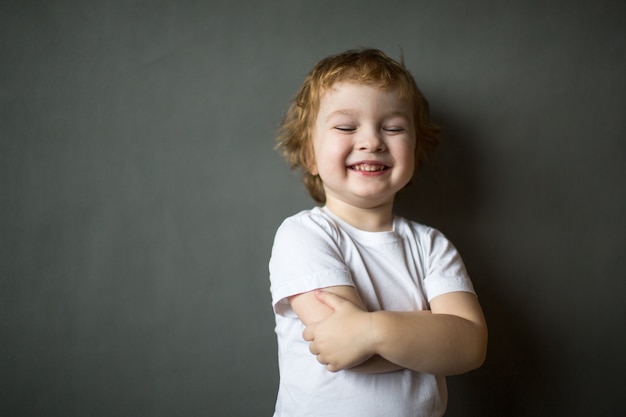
[368,167]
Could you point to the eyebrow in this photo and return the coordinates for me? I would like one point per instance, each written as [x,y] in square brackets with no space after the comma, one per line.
[352,112]
[345,112]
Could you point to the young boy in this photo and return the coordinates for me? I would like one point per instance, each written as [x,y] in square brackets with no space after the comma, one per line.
[372,310]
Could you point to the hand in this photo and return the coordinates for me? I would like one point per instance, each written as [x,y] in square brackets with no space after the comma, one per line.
[345,338]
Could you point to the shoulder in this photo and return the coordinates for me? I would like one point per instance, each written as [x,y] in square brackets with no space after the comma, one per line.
[308,234]
[430,239]
[412,229]
[308,224]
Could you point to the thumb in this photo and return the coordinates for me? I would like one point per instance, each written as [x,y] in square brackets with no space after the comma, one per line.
[329,299]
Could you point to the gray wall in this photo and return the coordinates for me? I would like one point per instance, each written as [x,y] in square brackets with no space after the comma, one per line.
[140,193]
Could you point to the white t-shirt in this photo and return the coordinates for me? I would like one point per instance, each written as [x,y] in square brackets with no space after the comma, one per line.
[399,270]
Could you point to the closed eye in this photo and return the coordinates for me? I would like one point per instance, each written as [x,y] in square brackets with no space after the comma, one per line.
[393,129]
[345,128]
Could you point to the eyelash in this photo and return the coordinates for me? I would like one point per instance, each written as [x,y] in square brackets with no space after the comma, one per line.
[386,129]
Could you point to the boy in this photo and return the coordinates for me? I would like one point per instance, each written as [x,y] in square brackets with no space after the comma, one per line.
[372,310]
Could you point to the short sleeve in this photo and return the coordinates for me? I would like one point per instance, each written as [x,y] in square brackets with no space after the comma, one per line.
[444,269]
[305,257]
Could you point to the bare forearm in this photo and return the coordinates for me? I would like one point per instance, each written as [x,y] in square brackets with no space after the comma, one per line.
[439,344]
[451,340]
[376,365]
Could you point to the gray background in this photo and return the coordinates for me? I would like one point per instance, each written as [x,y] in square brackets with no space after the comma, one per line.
[140,193]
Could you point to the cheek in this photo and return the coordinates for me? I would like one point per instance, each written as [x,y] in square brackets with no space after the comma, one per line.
[326,162]
[405,152]
[331,153]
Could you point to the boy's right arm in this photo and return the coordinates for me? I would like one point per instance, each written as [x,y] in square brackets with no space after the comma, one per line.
[310,310]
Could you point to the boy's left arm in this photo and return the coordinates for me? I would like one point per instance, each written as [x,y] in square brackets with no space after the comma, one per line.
[452,340]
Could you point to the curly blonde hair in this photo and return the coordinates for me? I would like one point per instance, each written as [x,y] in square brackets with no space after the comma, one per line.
[363,66]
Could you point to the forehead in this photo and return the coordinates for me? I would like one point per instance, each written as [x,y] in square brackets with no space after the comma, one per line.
[349,98]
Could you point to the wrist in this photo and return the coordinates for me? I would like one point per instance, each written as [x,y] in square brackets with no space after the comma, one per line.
[376,317]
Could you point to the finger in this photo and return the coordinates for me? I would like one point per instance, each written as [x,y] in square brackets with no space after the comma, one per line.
[313,350]
[308,333]
[330,299]
[332,368]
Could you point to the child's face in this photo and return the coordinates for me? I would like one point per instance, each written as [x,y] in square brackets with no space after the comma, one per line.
[363,144]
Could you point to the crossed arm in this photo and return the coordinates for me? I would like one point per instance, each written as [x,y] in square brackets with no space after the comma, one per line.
[449,339]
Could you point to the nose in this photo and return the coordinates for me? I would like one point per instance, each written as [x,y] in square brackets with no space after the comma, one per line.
[370,141]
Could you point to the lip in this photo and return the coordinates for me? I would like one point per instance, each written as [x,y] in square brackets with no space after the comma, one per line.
[369,168]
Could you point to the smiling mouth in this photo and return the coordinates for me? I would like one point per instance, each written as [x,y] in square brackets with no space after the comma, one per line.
[368,167]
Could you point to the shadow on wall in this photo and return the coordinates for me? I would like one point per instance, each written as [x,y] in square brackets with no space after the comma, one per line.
[450,194]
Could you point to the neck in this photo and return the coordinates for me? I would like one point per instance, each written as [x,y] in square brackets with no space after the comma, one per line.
[369,219]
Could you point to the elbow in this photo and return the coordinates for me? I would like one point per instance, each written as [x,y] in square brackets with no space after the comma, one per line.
[477,348]
[470,356]
[478,359]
